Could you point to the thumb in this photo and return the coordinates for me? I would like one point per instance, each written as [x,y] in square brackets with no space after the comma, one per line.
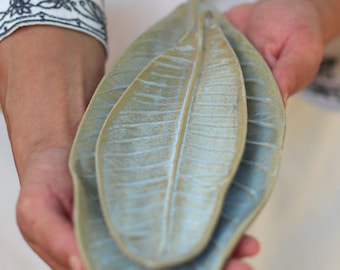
[297,63]
[239,16]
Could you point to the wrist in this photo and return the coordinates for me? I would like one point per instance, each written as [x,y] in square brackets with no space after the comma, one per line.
[47,119]
[46,86]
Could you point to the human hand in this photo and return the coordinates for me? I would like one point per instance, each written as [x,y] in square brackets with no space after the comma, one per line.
[44,210]
[248,246]
[48,75]
[289,34]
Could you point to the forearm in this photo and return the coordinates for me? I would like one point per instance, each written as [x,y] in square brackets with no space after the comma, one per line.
[48,75]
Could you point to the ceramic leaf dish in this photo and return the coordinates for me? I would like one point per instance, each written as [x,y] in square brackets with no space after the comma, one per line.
[178,149]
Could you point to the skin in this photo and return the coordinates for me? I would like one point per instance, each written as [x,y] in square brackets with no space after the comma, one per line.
[290,35]
[43,110]
[42,114]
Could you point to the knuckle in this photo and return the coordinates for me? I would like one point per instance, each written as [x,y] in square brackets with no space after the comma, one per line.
[26,207]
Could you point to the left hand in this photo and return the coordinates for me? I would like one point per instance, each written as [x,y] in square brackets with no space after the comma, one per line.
[248,246]
[288,34]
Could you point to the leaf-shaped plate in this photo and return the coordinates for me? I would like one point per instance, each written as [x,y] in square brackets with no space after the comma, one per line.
[170,148]
[89,223]
[100,251]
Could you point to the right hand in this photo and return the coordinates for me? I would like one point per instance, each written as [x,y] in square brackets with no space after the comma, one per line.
[47,76]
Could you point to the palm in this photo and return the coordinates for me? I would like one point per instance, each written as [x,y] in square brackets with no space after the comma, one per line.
[44,208]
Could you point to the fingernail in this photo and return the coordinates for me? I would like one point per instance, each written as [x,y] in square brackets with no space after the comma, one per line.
[75,263]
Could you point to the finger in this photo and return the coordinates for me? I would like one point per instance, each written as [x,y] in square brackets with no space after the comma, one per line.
[239,15]
[297,64]
[248,246]
[44,224]
[46,258]
[237,265]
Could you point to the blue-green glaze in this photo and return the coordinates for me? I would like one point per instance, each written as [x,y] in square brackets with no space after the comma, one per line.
[250,188]
[170,147]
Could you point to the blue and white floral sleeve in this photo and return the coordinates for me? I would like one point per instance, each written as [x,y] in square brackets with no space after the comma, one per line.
[83,15]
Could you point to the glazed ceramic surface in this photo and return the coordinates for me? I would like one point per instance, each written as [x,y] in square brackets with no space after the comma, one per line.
[248,191]
[89,223]
[170,147]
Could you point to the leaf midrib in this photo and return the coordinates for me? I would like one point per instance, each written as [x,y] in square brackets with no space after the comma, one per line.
[187,108]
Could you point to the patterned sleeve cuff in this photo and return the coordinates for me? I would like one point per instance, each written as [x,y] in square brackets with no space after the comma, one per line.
[83,15]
